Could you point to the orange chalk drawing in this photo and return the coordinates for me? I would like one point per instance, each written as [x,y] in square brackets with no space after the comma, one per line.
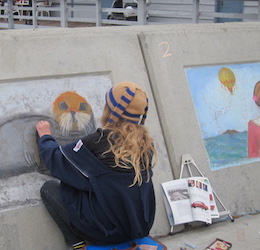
[72,112]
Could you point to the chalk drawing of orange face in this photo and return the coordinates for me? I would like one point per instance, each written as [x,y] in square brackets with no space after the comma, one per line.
[72,112]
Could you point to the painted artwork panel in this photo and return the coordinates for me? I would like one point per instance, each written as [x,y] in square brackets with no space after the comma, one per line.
[73,105]
[226,98]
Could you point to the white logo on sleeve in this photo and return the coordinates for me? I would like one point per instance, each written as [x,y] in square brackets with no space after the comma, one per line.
[78,146]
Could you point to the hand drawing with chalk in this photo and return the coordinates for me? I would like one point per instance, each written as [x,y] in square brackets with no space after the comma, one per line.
[65,105]
[72,118]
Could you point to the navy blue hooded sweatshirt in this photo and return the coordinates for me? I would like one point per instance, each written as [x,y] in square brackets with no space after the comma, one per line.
[97,197]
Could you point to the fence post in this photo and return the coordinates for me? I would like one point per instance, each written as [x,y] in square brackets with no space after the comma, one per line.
[141,12]
[34,14]
[10,14]
[98,13]
[195,11]
[64,13]
[258,16]
[72,5]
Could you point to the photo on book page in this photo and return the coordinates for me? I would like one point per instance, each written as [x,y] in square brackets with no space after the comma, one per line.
[219,244]
[177,198]
[199,197]
[213,206]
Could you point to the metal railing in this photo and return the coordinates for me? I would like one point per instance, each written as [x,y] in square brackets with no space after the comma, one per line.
[29,14]
[63,13]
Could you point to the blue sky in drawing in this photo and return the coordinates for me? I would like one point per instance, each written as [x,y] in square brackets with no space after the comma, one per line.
[216,108]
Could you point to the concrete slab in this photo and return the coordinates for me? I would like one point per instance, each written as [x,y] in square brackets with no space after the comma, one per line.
[29,228]
[50,60]
[168,55]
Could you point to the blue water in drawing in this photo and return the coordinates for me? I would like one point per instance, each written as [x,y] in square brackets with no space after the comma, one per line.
[228,150]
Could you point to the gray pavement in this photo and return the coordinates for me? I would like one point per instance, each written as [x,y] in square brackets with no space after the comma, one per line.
[243,233]
[31,228]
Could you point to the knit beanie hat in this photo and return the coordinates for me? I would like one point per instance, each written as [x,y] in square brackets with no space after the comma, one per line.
[128,101]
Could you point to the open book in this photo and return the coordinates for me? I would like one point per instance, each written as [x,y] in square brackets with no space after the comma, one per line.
[189,199]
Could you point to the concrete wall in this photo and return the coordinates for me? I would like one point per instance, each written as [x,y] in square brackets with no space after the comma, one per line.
[124,53]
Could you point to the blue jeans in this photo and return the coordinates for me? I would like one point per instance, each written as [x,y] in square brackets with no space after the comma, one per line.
[50,193]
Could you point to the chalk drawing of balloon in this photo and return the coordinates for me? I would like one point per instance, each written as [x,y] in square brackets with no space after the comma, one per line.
[227,79]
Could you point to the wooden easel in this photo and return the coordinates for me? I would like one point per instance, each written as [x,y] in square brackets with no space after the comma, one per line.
[188,162]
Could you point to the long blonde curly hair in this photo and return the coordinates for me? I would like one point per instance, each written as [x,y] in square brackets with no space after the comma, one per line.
[132,146]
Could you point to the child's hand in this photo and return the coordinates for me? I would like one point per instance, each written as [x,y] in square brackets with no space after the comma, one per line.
[43,128]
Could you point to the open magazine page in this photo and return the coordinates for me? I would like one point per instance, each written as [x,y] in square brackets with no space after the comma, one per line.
[178,198]
[200,199]
[168,211]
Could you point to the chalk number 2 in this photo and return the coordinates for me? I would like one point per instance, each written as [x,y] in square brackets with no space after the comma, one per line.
[167,48]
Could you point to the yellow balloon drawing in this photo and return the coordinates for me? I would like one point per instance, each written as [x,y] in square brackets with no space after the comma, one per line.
[227,78]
